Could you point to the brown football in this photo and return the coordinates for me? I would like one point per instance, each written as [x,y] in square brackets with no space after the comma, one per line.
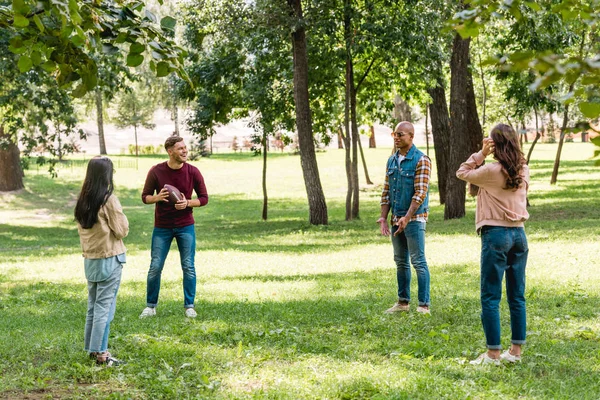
[174,194]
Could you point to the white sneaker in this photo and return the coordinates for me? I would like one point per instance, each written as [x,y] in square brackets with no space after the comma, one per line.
[506,356]
[423,310]
[190,313]
[148,312]
[485,359]
[397,307]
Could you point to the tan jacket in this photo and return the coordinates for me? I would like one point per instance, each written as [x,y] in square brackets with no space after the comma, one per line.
[105,238]
[495,206]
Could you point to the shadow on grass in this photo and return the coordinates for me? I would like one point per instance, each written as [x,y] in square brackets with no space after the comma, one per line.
[232,222]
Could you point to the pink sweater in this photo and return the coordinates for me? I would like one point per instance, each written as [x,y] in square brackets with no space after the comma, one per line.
[495,206]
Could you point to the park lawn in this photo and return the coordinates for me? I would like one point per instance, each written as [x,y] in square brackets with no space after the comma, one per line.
[289,310]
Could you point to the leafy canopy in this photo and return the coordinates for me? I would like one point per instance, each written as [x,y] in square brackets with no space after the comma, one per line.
[60,35]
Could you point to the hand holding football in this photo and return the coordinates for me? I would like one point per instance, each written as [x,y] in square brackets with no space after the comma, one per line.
[174,194]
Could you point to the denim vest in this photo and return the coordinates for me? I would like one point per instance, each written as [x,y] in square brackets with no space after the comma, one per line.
[401,179]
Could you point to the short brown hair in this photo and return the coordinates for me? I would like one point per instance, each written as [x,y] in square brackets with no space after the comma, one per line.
[171,140]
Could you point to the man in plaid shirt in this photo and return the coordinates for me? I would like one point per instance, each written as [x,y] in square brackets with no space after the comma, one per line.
[406,195]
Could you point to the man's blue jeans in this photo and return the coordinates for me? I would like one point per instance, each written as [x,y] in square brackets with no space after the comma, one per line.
[503,252]
[161,243]
[411,243]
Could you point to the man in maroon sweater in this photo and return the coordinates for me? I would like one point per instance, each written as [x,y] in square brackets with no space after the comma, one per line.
[173,220]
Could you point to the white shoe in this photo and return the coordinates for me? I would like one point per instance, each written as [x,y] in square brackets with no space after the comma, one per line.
[485,359]
[397,307]
[148,312]
[190,313]
[423,310]
[511,358]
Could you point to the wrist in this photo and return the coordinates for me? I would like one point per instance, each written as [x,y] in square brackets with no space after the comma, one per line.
[187,204]
[381,219]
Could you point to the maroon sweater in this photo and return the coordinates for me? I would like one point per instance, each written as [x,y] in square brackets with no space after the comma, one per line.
[186,179]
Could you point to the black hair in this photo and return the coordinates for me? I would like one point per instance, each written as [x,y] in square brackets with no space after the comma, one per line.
[97,188]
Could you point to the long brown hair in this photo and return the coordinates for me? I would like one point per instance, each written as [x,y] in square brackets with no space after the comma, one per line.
[97,188]
[507,151]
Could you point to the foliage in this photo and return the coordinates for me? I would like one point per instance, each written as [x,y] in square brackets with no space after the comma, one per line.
[550,65]
[60,37]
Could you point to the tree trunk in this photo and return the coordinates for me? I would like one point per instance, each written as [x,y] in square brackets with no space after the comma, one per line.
[484,86]
[264,177]
[11,173]
[100,121]
[466,129]
[364,163]
[136,142]
[355,140]
[308,160]
[372,144]
[175,114]
[537,136]
[561,140]
[340,137]
[348,158]
[440,130]
[402,111]
[351,103]
[427,130]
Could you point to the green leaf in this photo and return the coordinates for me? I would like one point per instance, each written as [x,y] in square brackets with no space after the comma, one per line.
[134,59]
[77,40]
[533,5]
[467,30]
[19,7]
[36,57]
[49,66]
[20,21]
[25,63]
[168,23]
[590,110]
[79,91]
[38,23]
[162,69]
[136,48]
[568,15]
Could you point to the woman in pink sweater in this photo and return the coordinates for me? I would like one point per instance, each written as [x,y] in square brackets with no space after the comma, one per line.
[501,212]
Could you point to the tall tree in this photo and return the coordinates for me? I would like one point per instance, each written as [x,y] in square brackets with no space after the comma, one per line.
[312,181]
[465,129]
[135,109]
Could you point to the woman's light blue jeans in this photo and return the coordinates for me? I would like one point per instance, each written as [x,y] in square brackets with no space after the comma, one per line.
[161,244]
[411,243]
[503,252]
[102,303]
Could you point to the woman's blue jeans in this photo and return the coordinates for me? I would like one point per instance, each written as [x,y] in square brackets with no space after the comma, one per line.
[161,244]
[411,243]
[503,252]
[102,304]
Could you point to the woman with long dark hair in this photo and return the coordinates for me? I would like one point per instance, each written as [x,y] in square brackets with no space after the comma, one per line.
[102,227]
[499,219]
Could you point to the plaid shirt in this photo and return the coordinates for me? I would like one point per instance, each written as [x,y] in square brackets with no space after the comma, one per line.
[422,177]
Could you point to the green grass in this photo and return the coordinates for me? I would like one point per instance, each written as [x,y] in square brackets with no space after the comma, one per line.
[288,310]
